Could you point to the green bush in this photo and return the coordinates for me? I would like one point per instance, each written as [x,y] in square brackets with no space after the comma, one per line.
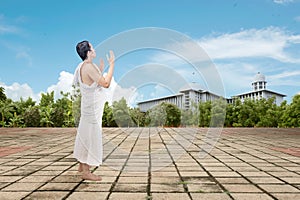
[32,117]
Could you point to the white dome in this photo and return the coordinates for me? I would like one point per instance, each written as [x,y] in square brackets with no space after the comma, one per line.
[259,77]
[191,86]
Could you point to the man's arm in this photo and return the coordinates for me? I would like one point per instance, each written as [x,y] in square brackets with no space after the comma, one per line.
[98,78]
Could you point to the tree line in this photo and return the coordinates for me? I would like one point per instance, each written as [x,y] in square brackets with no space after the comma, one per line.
[65,112]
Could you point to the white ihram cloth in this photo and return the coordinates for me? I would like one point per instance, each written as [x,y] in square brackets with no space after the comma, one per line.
[88,143]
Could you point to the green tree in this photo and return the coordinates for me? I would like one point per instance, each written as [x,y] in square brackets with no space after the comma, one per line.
[137,117]
[247,114]
[2,94]
[62,110]
[204,113]
[190,117]
[15,120]
[46,113]
[267,112]
[229,115]
[57,117]
[163,114]
[6,110]
[47,99]
[292,113]
[108,116]
[32,117]
[282,112]
[121,113]
[21,105]
[173,118]
[156,116]
[218,112]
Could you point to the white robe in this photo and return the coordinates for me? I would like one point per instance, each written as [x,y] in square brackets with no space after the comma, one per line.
[88,143]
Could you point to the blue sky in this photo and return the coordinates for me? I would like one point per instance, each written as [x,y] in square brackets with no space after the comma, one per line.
[38,39]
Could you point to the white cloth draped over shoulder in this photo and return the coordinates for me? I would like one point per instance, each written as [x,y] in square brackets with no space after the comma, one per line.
[88,143]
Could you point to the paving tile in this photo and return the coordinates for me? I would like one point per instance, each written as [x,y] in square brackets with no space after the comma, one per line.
[67,179]
[163,187]
[242,161]
[133,187]
[249,196]
[88,195]
[255,174]
[292,180]
[281,196]
[239,188]
[225,174]
[161,179]
[133,179]
[18,187]
[265,180]
[210,196]
[93,187]
[169,196]
[12,196]
[207,188]
[58,186]
[232,180]
[47,195]
[9,179]
[279,188]
[35,179]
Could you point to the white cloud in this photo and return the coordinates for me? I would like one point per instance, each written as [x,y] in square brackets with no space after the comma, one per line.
[64,84]
[283,1]
[115,92]
[16,91]
[269,42]
[229,73]
[6,28]
[24,55]
[297,18]
[160,91]
[288,78]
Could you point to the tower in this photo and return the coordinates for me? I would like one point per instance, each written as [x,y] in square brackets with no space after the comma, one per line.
[259,82]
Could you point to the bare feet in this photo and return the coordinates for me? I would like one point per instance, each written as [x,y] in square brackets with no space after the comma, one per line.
[91,177]
[80,169]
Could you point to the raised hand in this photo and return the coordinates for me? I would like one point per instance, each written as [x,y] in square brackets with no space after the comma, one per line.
[111,57]
[101,66]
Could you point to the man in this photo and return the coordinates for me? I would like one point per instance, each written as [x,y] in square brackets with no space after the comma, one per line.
[88,148]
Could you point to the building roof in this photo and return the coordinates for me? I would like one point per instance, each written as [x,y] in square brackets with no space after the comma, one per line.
[191,86]
[259,78]
[283,95]
[160,98]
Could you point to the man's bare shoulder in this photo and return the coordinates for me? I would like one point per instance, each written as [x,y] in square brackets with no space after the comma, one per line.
[88,67]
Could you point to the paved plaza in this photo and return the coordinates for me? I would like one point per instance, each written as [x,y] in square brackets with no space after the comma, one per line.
[154,163]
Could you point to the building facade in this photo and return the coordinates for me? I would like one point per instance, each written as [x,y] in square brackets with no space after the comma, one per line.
[259,91]
[188,94]
[193,93]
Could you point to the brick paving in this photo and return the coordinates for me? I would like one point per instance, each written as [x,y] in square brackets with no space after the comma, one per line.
[154,163]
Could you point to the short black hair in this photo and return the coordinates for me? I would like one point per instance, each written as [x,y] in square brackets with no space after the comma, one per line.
[82,48]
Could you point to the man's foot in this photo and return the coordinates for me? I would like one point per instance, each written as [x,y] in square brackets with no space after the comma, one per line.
[80,169]
[91,177]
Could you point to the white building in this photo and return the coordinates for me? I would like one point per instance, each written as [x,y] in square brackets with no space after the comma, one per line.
[259,91]
[187,95]
[193,93]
